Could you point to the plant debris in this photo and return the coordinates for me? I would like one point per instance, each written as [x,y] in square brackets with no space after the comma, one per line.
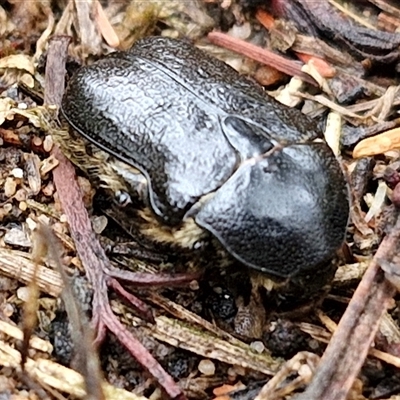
[78,287]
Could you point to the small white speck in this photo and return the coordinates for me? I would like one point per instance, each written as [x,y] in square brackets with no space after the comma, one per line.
[17,173]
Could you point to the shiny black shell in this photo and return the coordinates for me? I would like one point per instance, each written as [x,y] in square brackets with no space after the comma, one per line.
[214,146]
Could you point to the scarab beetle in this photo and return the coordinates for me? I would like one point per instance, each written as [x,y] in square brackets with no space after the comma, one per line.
[216,154]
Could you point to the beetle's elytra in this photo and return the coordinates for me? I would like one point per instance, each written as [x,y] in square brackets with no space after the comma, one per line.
[214,149]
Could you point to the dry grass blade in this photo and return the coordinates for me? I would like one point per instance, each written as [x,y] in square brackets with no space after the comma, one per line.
[30,314]
[89,33]
[330,104]
[378,144]
[105,26]
[267,57]
[16,264]
[198,341]
[183,314]
[355,17]
[16,333]
[385,6]
[58,377]
[86,357]
[324,336]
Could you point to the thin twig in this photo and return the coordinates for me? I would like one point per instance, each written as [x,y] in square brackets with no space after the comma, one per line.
[351,342]
[267,57]
[88,247]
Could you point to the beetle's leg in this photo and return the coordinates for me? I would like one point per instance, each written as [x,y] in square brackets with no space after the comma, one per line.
[133,249]
[250,318]
[306,289]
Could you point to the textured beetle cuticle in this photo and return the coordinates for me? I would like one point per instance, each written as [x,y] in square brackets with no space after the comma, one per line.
[214,157]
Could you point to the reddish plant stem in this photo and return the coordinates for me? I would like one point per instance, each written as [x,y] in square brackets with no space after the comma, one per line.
[88,247]
[264,56]
[349,346]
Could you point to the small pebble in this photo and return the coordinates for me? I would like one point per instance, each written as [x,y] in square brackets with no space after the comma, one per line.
[7,310]
[7,208]
[313,344]
[23,206]
[17,173]
[22,106]
[122,198]
[31,223]
[23,394]
[10,187]
[8,372]
[99,223]
[23,293]
[257,346]
[194,285]
[20,195]
[268,76]
[17,237]
[206,367]
[37,141]
[48,143]
[242,31]
[232,375]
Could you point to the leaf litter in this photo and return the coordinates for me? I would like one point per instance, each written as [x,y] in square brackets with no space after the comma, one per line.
[290,47]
